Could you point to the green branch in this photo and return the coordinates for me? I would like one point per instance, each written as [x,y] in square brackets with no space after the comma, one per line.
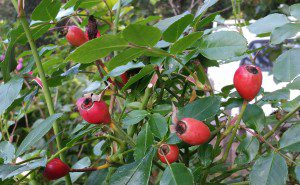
[41,72]
[235,128]
[268,135]
[132,129]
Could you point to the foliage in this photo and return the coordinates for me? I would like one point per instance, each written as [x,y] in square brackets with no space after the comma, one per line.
[165,60]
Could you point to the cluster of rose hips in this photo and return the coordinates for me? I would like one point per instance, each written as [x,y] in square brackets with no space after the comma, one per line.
[247,81]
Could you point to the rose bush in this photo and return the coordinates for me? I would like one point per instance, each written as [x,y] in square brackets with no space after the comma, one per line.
[135,105]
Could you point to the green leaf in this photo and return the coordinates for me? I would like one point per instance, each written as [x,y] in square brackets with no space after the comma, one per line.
[146,20]
[46,10]
[124,57]
[52,65]
[97,48]
[94,86]
[9,92]
[72,71]
[122,69]
[17,35]
[143,72]
[222,45]
[207,20]
[97,148]
[254,117]
[7,151]
[174,31]
[144,141]
[286,31]
[268,23]
[173,139]
[226,90]
[201,109]
[291,105]
[82,163]
[205,154]
[7,182]
[155,52]
[162,109]
[207,4]
[177,174]
[295,10]
[134,117]
[142,35]
[134,173]
[164,24]
[247,150]
[87,129]
[64,12]
[269,170]
[290,140]
[97,177]
[37,133]
[287,67]
[158,125]
[11,170]
[281,94]
[295,84]
[185,42]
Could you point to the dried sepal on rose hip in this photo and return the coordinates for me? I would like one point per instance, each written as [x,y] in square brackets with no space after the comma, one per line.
[247,81]
[168,153]
[94,112]
[76,36]
[192,131]
[55,169]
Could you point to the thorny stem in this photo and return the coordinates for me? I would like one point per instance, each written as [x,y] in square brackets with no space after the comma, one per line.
[235,128]
[86,141]
[41,72]
[268,135]
[230,172]
[28,160]
[106,165]
[144,103]
[262,139]
[122,134]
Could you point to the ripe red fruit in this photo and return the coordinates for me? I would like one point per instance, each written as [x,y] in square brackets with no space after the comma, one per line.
[247,81]
[93,112]
[76,36]
[192,131]
[168,153]
[55,169]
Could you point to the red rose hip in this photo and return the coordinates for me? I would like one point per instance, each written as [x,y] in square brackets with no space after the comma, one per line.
[55,169]
[168,153]
[96,112]
[247,81]
[76,36]
[192,131]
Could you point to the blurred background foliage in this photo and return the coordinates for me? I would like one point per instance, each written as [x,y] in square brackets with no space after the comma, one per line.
[252,9]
